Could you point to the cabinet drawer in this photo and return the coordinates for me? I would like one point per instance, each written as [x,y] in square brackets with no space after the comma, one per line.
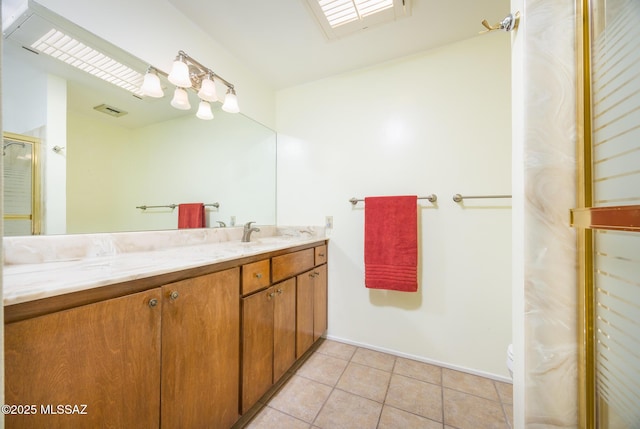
[288,265]
[321,255]
[255,276]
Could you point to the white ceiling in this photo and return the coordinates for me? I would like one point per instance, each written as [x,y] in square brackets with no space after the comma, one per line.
[282,39]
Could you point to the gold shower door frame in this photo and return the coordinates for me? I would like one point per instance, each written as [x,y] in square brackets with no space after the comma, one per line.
[36,201]
[586,219]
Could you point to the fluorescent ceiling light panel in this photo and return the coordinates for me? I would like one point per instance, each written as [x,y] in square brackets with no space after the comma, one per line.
[69,50]
[339,18]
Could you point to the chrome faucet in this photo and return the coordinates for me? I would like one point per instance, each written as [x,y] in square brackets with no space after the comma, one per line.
[246,233]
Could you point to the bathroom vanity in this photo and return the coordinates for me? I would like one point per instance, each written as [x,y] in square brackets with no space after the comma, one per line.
[113,334]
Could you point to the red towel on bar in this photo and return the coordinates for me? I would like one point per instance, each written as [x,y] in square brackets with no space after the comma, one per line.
[191,215]
[391,243]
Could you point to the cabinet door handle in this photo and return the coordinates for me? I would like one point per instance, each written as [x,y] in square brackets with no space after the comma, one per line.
[271,295]
[312,275]
[153,302]
[258,275]
[321,255]
[174,295]
[317,273]
[279,291]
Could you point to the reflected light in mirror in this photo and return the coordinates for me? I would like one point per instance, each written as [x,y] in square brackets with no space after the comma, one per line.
[71,51]
[151,86]
[208,90]
[180,99]
[204,111]
[231,102]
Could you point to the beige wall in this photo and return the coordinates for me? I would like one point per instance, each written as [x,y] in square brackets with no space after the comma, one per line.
[438,122]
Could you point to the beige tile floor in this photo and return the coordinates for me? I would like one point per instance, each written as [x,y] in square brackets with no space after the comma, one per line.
[343,386]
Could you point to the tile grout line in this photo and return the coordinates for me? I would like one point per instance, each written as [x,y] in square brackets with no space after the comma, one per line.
[333,388]
[391,373]
[502,405]
[384,400]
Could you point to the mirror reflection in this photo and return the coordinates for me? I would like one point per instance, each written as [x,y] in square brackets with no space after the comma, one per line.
[97,165]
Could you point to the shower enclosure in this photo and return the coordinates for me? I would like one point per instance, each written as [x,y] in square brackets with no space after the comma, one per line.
[22,213]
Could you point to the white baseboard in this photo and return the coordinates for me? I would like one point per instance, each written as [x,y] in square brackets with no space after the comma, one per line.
[491,376]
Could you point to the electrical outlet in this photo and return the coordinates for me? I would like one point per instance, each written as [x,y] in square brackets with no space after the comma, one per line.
[328,222]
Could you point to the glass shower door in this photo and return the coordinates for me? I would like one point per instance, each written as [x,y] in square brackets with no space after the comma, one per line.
[611,214]
[21,184]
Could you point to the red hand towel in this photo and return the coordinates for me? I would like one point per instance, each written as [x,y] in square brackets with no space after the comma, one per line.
[191,215]
[391,243]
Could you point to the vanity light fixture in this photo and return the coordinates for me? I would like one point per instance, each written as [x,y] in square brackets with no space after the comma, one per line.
[204,110]
[180,99]
[151,85]
[187,73]
[231,102]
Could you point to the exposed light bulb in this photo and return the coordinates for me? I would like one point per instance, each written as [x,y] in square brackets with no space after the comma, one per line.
[180,99]
[208,89]
[204,110]
[179,75]
[151,85]
[231,102]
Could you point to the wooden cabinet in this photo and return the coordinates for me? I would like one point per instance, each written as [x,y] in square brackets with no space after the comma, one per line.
[268,339]
[284,324]
[304,312]
[311,316]
[320,301]
[103,357]
[191,349]
[255,276]
[285,266]
[167,357]
[257,346]
[200,351]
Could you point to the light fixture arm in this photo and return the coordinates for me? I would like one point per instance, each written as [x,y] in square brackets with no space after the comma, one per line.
[204,70]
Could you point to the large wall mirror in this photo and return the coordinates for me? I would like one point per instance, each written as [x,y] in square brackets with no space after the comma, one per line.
[98,166]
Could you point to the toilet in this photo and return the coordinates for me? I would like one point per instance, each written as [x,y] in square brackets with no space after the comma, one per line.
[510,360]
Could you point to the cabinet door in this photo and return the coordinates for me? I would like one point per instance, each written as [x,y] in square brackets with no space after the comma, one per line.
[304,312]
[319,301]
[284,324]
[104,355]
[257,346]
[200,351]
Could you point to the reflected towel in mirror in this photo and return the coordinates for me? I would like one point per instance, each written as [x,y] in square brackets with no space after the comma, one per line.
[191,215]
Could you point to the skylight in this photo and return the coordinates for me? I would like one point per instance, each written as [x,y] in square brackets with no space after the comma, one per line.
[340,12]
[69,50]
[341,17]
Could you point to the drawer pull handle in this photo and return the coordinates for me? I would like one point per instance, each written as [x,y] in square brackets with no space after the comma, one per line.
[174,295]
[258,275]
[271,295]
[321,255]
[279,291]
[153,302]
[312,275]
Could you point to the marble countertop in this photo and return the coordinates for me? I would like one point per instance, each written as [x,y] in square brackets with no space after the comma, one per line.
[32,270]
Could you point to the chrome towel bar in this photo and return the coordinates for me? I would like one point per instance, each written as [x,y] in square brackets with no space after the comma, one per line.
[173,206]
[458,198]
[432,198]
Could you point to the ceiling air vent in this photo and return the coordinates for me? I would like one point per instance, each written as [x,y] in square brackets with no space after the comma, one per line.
[340,18]
[110,110]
